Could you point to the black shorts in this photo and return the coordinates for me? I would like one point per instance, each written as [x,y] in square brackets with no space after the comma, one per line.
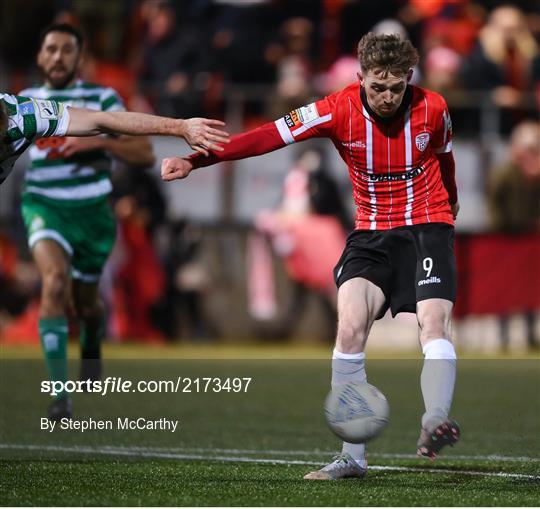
[408,263]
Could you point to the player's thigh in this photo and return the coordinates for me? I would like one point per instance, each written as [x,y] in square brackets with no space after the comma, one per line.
[435,276]
[359,304]
[50,247]
[95,233]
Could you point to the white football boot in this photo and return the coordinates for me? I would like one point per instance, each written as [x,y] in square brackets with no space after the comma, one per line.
[342,467]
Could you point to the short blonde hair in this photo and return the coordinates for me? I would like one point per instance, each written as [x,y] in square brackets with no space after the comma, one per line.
[388,52]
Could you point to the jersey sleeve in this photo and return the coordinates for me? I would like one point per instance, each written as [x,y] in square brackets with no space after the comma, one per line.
[442,134]
[41,118]
[111,101]
[315,120]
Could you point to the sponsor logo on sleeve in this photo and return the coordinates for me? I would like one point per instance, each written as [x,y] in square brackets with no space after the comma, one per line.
[308,113]
[47,109]
[422,141]
[292,119]
[302,116]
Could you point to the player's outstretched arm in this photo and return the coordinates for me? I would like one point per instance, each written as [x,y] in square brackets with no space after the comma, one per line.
[200,133]
[261,140]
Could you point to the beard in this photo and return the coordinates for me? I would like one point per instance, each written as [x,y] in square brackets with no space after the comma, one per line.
[60,81]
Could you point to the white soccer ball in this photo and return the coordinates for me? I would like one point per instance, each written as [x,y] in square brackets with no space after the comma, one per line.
[356,412]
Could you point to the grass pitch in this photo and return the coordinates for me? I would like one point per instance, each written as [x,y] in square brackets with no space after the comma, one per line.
[252,449]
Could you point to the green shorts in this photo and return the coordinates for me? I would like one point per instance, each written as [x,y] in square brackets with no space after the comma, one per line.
[86,233]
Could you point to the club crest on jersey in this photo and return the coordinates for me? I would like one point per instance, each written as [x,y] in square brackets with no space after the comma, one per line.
[422,141]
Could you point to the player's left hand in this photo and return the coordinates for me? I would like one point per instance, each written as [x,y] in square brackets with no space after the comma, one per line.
[455,209]
[202,136]
[73,145]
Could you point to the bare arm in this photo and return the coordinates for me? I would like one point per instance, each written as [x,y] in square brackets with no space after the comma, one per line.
[198,132]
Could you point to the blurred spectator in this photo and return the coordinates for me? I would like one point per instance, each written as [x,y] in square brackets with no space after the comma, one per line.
[181,311]
[18,51]
[501,61]
[514,187]
[536,79]
[311,214]
[454,25]
[391,26]
[138,279]
[342,73]
[242,34]
[294,69]
[514,201]
[17,285]
[357,17]
[174,62]
[19,293]
[441,70]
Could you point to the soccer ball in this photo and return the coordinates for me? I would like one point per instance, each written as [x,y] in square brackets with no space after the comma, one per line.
[356,412]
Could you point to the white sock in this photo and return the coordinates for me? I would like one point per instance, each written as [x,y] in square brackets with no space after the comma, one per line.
[437,381]
[347,367]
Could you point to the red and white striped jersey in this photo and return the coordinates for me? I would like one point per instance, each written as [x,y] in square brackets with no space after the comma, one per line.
[392,163]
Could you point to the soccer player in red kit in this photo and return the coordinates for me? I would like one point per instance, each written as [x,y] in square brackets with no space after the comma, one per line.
[396,141]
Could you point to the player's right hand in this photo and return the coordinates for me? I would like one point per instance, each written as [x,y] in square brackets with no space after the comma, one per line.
[201,135]
[173,168]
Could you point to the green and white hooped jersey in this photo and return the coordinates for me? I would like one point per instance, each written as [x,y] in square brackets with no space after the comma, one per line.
[28,119]
[83,178]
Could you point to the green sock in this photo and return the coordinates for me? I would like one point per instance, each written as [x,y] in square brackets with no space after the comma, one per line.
[92,332]
[53,333]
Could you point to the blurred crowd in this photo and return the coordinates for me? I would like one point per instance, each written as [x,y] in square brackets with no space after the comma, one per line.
[182,57]
[187,58]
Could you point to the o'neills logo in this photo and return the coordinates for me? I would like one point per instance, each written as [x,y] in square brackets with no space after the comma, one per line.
[392,177]
[422,141]
[429,281]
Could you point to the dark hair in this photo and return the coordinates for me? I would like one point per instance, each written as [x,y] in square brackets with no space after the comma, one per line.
[62,27]
[388,52]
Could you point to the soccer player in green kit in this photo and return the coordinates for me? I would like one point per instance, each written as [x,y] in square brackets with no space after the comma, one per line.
[70,226]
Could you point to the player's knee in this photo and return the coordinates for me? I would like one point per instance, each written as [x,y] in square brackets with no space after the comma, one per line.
[350,338]
[434,324]
[55,286]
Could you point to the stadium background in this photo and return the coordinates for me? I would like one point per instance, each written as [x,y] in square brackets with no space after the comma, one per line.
[249,62]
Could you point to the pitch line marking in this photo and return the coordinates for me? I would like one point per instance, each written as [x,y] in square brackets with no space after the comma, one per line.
[126,451]
[277,452]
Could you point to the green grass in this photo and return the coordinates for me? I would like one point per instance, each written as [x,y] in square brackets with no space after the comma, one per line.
[257,446]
